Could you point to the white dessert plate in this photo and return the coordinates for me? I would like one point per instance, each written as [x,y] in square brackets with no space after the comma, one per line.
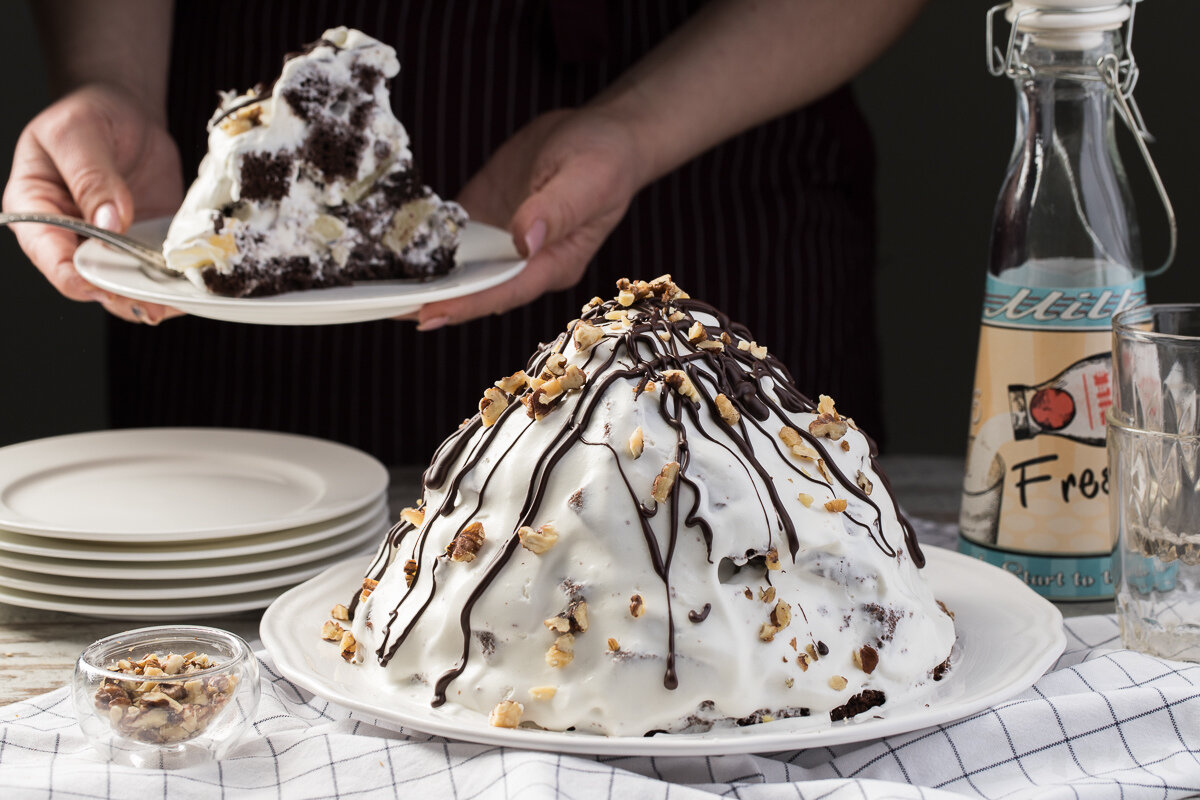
[485,257]
[177,484]
[180,589]
[54,551]
[1008,637]
[213,570]
[172,610]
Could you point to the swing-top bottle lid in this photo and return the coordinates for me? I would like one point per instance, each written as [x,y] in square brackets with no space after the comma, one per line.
[1066,17]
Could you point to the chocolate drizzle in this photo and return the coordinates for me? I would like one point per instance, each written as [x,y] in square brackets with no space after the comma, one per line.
[760,388]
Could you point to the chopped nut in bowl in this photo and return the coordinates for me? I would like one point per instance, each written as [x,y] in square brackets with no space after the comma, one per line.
[166,697]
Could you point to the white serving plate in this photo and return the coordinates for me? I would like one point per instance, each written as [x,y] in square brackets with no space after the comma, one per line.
[54,551]
[174,611]
[211,569]
[168,485]
[182,589]
[1008,637]
[485,258]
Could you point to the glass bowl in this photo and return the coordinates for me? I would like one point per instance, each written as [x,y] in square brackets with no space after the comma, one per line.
[166,697]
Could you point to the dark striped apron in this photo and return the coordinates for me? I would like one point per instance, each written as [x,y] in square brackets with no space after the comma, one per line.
[776,226]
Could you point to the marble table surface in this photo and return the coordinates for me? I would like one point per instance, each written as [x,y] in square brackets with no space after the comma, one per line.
[38,648]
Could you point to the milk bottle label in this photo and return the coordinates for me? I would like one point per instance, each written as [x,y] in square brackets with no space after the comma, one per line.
[1035,493]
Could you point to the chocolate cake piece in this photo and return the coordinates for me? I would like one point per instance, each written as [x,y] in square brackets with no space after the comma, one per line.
[311,183]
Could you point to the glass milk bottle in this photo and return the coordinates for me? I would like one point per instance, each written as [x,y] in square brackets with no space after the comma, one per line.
[1065,256]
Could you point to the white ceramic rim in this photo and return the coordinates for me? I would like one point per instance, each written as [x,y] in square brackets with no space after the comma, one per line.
[975,590]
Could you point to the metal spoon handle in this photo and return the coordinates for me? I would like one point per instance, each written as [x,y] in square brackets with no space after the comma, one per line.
[133,247]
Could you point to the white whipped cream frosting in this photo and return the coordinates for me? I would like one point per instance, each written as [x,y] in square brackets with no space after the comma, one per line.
[844,590]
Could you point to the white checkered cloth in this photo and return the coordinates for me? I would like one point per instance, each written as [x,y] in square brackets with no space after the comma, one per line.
[1104,723]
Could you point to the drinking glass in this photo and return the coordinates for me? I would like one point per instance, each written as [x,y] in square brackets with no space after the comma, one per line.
[1154,478]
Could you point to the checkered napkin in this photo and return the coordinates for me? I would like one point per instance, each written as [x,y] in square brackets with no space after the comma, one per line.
[1105,723]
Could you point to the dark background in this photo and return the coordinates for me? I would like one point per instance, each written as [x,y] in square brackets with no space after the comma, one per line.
[943,129]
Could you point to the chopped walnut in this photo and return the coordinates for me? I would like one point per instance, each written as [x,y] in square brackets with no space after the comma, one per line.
[368,586]
[637,606]
[845,446]
[410,572]
[802,662]
[727,410]
[513,383]
[543,692]
[665,481]
[636,442]
[676,316]
[340,612]
[586,335]
[828,426]
[865,658]
[811,651]
[543,399]
[590,304]
[743,345]
[573,378]
[758,350]
[837,683]
[650,386]
[331,631]
[825,406]
[821,468]
[805,499]
[864,482]
[506,714]
[664,335]
[697,333]
[710,344]
[573,620]
[243,119]
[836,505]
[556,364]
[781,617]
[562,652]
[349,646]
[772,559]
[678,380]
[767,595]
[790,436]
[626,297]
[413,516]
[789,682]
[540,540]
[726,339]
[467,543]
[492,406]
[618,315]
[613,644]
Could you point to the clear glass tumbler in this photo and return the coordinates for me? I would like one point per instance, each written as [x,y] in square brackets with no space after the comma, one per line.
[1155,503]
[166,697]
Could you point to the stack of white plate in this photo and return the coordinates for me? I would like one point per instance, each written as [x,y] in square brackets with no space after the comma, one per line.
[171,523]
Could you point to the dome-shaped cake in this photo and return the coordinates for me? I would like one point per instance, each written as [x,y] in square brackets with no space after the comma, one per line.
[650,529]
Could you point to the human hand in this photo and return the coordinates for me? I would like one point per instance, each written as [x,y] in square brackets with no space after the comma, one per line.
[559,185]
[93,154]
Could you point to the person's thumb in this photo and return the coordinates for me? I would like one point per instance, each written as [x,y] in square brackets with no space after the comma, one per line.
[553,212]
[87,165]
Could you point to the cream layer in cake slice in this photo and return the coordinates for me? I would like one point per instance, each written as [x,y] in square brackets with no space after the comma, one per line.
[311,183]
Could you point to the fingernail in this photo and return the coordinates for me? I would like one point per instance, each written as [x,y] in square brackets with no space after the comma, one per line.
[106,217]
[433,324]
[138,312]
[535,238]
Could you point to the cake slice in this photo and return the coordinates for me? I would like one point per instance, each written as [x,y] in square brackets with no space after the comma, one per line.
[311,183]
[649,528]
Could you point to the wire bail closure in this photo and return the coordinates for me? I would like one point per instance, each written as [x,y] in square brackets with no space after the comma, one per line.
[1120,75]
